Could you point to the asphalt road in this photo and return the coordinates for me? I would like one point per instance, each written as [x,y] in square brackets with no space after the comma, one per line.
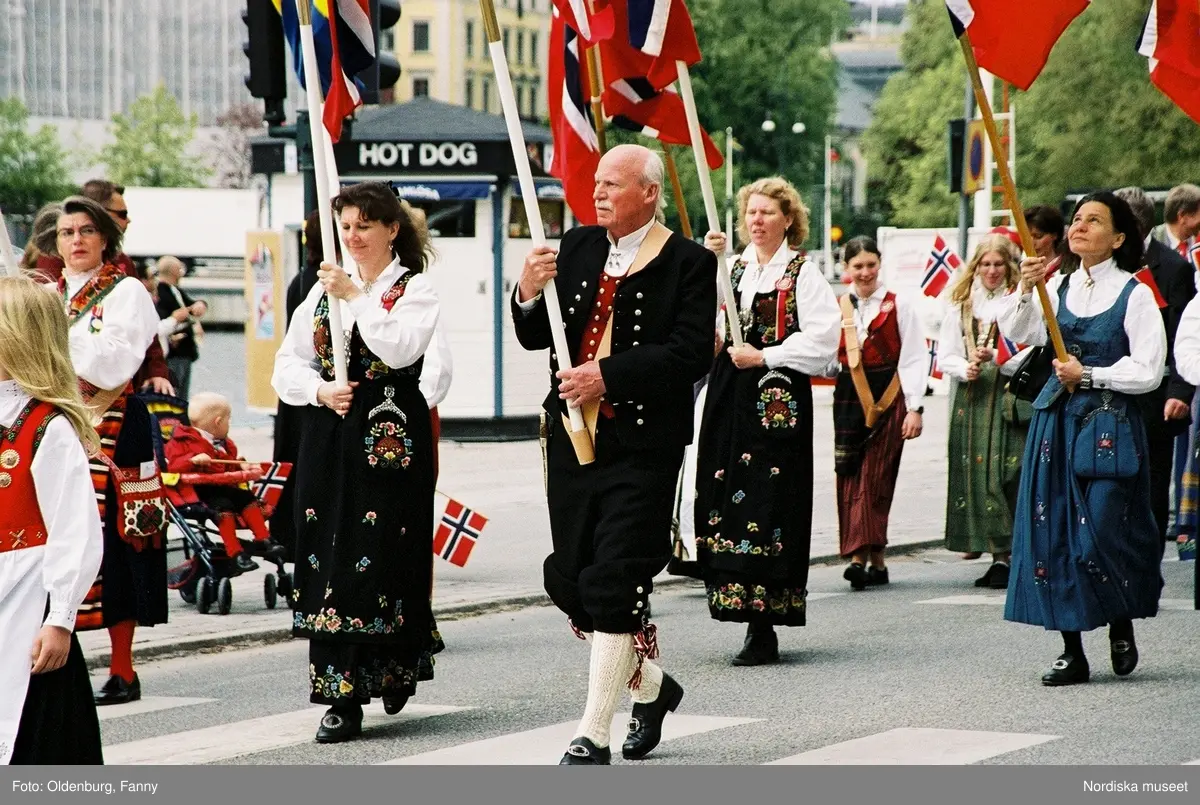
[925,671]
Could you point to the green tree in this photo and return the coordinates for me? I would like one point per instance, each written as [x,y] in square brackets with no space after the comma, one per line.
[149,147]
[32,165]
[1092,119]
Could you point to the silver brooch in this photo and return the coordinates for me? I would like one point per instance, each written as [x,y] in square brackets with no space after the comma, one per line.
[387,405]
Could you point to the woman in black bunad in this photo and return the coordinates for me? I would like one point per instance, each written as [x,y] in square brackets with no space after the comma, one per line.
[112,323]
[364,479]
[754,478]
[874,413]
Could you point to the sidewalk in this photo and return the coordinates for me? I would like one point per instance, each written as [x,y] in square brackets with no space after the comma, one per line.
[503,481]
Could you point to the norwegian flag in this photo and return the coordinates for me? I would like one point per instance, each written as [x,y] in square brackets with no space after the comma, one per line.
[457,533]
[576,148]
[637,106]
[1012,39]
[662,30]
[1194,254]
[934,370]
[1146,278]
[1006,350]
[1171,41]
[594,21]
[942,264]
[269,487]
[345,46]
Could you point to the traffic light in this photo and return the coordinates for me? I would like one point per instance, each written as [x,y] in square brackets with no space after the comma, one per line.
[264,47]
[385,72]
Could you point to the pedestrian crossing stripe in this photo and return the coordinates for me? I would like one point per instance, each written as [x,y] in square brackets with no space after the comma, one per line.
[917,747]
[545,746]
[998,599]
[147,704]
[225,742]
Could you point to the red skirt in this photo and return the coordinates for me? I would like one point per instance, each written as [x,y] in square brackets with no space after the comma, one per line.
[865,499]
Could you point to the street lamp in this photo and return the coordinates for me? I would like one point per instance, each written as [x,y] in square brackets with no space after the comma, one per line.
[798,127]
[768,125]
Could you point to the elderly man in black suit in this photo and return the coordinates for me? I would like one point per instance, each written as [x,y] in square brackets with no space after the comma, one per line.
[1166,410]
[655,293]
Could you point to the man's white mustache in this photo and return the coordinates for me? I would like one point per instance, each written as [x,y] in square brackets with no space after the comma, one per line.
[604,205]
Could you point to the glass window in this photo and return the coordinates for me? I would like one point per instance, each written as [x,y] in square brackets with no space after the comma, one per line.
[449,219]
[533,48]
[420,37]
[507,35]
[420,87]
[552,218]
[487,95]
[533,98]
[470,39]
[469,93]
[520,97]
[520,46]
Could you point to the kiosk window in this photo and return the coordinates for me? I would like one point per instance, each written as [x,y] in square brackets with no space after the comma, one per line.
[449,219]
[420,87]
[552,218]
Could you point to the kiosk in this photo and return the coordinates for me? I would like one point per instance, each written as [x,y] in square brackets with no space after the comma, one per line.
[456,164]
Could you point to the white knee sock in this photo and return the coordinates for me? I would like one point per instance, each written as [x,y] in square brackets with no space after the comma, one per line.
[611,664]
[652,677]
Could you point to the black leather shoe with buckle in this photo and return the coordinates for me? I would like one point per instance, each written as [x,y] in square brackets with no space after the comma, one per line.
[340,724]
[394,704]
[877,576]
[1124,656]
[856,575]
[760,648]
[117,691]
[582,752]
[1067,670]
[645,723]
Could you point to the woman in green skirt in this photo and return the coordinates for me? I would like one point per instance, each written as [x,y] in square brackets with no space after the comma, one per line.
[987,423]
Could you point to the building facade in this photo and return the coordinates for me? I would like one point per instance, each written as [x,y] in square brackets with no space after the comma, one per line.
[443,53]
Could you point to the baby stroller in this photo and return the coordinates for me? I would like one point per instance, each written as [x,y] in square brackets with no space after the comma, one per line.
[204,578]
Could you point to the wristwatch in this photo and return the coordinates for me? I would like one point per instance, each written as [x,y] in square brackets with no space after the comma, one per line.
[1086,380]
[919,410]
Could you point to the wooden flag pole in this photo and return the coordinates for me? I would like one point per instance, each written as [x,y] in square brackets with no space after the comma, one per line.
[593,62]
[710,202]
[319,138]
[1010,193]
[581,439]
[685,223]
[6,250]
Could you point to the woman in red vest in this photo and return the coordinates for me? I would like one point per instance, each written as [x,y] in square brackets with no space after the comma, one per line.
[876,406]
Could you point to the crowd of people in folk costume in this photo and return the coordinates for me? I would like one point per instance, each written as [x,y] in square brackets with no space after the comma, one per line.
[1066,486]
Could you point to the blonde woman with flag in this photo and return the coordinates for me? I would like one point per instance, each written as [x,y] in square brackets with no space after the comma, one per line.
[987,423]
[50,536]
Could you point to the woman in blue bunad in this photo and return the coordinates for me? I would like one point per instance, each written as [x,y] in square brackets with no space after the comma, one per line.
[754,476]
[1085,544]
[364,477]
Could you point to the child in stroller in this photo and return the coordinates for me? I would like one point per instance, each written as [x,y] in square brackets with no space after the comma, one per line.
[205,447]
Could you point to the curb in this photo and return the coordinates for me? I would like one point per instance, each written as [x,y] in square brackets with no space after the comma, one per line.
[266,635]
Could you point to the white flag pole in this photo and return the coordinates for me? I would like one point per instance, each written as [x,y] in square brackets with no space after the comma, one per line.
[729,190]
[320,137]
[6,250]
[710,201]
[827,212]
[580,438]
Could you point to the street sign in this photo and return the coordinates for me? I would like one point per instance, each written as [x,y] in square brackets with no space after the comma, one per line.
[975,168]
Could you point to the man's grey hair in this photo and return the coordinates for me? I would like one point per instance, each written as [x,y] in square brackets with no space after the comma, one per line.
[652,173]
[1142,206]
[1183,199]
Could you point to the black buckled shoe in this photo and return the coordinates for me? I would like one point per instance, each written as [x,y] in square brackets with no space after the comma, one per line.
[760,648]
[394,704]
[244,563]
[877,576]
[582,752]
[856,575]
[1000,572]
[340,724]
[1124,656]
[645,723]
[1067,670]
[117,691]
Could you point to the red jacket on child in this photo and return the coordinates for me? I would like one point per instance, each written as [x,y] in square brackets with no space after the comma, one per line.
[187,442]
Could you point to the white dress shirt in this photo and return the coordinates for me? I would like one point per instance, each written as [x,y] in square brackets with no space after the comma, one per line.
[951,348]
[1020,317]
[398,338]
[1187,343]
[438,370]
[810,350]
[109,357]
[913,367]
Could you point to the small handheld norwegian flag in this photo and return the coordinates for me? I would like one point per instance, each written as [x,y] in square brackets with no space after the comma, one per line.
[1006,350]
[934,371]
[457,532]
[268,488]
[1146,278]
[939,268]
